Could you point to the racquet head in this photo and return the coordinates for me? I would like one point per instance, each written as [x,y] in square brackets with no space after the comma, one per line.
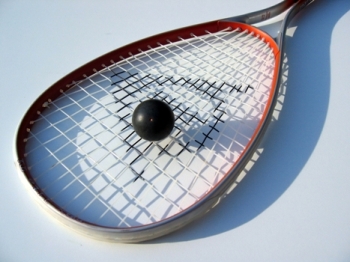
[78,150]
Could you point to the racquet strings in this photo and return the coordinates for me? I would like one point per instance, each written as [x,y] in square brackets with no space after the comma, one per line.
[85,157]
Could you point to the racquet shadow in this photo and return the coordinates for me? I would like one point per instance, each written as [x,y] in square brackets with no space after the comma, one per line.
[289,141]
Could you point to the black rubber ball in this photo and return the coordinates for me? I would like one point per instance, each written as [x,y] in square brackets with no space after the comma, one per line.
[153,120]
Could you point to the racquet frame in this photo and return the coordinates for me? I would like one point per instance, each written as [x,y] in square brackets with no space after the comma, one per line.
[137,234]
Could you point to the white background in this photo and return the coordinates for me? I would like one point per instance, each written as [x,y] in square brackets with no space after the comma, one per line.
[294,205]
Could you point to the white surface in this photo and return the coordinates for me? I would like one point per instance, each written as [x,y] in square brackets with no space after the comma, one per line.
[294,205]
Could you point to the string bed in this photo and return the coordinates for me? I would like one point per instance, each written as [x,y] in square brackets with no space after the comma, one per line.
[84,154]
